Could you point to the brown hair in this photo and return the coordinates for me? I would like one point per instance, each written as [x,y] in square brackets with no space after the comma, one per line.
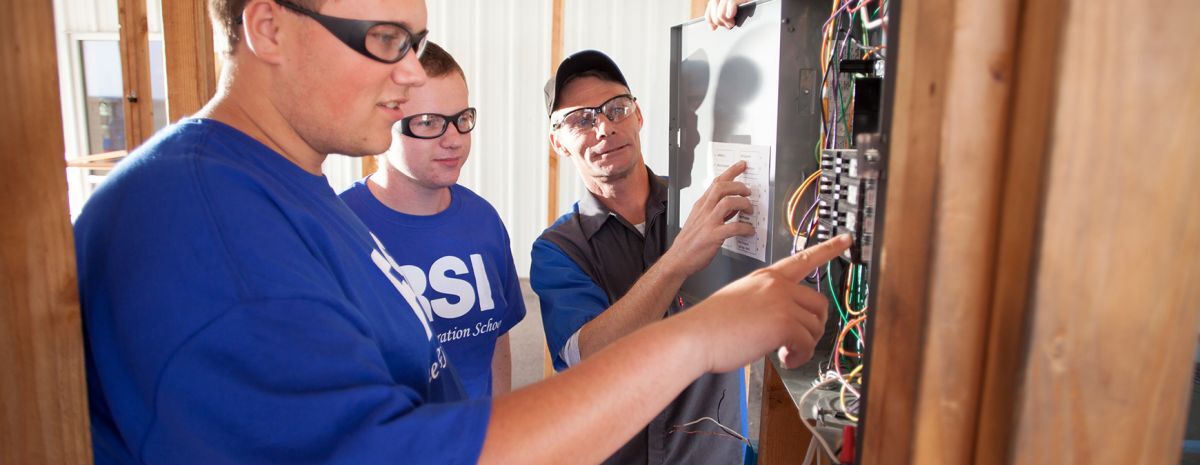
[227,15]
[438,62]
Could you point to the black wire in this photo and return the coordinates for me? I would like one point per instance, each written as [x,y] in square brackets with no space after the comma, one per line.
[722,399]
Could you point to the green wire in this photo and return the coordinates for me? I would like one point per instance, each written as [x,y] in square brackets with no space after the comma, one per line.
[861,289]
[833,293]
[842,116]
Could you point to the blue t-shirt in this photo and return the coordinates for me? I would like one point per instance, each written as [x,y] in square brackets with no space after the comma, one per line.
[235,311]
[460,264]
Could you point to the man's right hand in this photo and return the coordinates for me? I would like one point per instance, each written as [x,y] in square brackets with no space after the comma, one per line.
[721,13]
[767,310]
[706,227]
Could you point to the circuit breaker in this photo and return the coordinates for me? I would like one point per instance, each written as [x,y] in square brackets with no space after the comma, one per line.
[848,196]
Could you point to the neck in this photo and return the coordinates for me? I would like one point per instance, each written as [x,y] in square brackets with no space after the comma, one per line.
[240,104]
[400,193]
[626,196]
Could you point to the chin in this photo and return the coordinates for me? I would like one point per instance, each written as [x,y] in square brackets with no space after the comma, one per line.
[618,171]
[435,184]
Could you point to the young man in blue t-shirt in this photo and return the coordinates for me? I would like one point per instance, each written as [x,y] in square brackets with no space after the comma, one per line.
[236,311]
[463,269]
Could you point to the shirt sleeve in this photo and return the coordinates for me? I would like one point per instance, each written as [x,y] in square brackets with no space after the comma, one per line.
[568,296]
[570,351]
[299,382]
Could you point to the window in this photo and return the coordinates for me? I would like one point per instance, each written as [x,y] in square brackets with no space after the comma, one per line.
[104,95]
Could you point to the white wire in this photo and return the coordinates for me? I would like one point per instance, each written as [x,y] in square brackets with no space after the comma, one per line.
[817,418]
[867,23]
[811,453]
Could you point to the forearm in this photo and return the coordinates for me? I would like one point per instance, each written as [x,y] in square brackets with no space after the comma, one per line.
[502,366]
[644,304]
[593,408]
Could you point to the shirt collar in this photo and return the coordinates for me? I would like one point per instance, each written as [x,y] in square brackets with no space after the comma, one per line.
[593,214]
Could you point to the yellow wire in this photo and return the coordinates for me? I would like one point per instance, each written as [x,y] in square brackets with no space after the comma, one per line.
[842,395]
[795,201]
[846,293]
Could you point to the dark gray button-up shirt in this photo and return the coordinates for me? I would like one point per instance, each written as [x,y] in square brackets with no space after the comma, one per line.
[590,258]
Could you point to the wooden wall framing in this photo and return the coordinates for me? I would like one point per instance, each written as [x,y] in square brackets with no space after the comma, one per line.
[1033,301]
[189,56]
[135,72]
[43,398]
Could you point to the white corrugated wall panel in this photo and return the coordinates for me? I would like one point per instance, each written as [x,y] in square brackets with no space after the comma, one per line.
[504,48]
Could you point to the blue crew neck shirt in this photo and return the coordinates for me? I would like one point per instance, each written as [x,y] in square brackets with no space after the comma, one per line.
[236,311]
[460,264]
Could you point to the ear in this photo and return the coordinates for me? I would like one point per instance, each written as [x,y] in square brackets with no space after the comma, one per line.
[637,111]
[558,147]
[261,22]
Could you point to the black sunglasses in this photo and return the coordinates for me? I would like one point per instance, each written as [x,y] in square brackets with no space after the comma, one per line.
[382,41]
[433,125]
[616,109]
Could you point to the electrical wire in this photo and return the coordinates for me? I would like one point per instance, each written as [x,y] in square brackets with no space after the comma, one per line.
[811,452]
[795,200]
[727,430]
[817,418]
[849,283]
[842,337]
[842,394]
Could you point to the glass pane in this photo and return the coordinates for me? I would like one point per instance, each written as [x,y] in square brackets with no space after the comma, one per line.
[103,95]
[103,92]
[158,84]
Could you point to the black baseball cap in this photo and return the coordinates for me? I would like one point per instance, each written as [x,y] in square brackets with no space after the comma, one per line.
[579,62]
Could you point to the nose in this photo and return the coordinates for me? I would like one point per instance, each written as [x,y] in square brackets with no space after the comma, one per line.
[604,127]
[452,139]
[408,72]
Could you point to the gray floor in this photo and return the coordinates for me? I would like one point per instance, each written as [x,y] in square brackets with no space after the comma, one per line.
[528,347]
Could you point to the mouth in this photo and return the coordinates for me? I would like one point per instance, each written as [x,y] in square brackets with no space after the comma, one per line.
[608,151]
[392,108]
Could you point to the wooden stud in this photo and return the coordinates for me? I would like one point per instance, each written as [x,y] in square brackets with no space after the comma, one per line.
[697,8]
[901,306]
[970,171]
[135,72]
[782,436]
[191,69]
[369,165]
[1109,361]
[44,416]
[556,57]
[1036,58]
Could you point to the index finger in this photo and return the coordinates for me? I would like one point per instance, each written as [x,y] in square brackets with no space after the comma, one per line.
[732,172]
[796,267]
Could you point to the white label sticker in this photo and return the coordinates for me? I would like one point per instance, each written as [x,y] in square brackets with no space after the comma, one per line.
[758,177]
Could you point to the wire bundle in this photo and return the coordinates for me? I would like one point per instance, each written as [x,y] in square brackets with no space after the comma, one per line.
[855,29]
